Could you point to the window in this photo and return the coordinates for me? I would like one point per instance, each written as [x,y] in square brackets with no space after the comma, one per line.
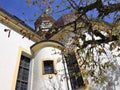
[46,24]
[73,67]
[23,73]
[48,67]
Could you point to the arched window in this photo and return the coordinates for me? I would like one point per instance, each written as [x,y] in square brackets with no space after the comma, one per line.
[74,70]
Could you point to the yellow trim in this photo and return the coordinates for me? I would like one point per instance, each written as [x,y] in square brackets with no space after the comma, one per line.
[17,26]
[20,50]
[32,75]
[41,68]
[36,47]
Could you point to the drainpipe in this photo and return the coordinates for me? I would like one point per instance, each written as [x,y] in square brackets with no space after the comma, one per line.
[65,71]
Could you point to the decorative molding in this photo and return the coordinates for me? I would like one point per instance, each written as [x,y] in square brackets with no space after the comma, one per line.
[18,25]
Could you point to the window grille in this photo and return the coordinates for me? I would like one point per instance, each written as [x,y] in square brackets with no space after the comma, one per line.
[23,73]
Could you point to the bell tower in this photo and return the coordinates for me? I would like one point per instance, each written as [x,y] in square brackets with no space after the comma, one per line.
[43,24]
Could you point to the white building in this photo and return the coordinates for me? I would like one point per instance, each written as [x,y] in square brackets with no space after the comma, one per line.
[31,61]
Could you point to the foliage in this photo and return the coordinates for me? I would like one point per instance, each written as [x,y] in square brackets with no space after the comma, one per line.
[101,19]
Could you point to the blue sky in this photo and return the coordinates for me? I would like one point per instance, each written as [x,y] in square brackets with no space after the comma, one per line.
[20,9]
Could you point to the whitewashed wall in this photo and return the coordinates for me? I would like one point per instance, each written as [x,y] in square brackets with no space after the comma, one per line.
[42,82]
[112,75]
[8,55]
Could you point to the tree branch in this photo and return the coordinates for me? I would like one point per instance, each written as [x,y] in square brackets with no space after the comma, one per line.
[100,41]
[101,8]
[104,11]
[97,33]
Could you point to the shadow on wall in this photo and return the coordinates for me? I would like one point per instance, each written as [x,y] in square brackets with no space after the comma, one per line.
[114,80]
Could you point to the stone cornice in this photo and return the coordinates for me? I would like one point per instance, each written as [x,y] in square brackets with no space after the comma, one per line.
[19,26]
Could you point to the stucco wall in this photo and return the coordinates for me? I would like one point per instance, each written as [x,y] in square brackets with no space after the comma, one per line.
[9,52]
[42,82]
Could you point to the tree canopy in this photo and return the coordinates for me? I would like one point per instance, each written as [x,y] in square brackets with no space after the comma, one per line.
[99,40]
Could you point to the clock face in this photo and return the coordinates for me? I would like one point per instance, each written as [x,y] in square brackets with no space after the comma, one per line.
[46,24]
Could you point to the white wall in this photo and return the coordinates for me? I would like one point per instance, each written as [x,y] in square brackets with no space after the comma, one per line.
[8,55]
[42,82]
[112,75]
